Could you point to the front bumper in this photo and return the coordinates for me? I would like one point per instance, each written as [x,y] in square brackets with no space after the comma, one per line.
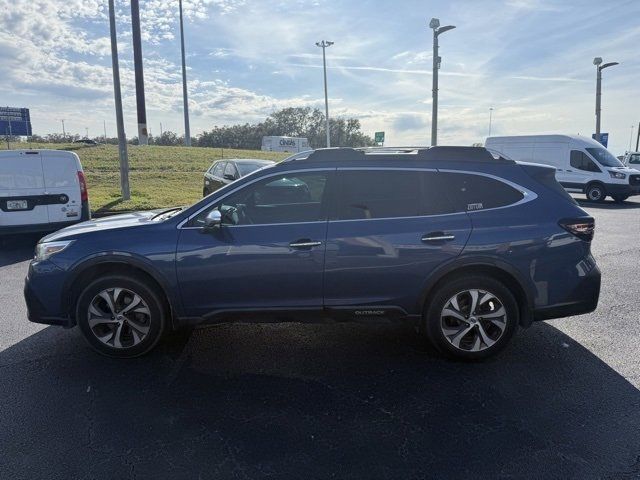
[622,189]
[583,299]
[42,294]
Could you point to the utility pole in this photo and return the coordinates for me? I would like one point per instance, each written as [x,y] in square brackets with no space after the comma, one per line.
[437,30]
[86,132]
[143,134]
[122,139]
[64,134]
[631,137]
[187,130]
[160,129]
[638,138]
[324,44]
[104,124]
[597,62]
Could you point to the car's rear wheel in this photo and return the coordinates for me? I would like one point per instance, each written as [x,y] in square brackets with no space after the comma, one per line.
[596,192]
[121,316]
[471,318]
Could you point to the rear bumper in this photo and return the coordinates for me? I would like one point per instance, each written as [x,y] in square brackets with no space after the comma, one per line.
[35,228]
[584,299]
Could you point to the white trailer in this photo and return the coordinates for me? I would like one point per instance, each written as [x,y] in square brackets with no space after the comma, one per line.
[285,144]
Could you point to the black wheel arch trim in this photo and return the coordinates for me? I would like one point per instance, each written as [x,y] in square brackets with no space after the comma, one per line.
[125,259]
[527,287]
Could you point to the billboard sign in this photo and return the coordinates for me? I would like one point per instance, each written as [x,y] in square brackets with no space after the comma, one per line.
[379,137]
[15,121]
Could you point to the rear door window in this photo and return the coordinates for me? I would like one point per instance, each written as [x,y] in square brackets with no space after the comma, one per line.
[367,194]
[581,161]
[470,192]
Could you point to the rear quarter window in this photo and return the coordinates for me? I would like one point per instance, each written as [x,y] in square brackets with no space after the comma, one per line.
[471,192]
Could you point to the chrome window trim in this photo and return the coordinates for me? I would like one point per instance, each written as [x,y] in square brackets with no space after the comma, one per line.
[208,205]
[528,195]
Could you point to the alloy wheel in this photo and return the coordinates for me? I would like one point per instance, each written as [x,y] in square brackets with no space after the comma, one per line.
[119,317]
[473,320]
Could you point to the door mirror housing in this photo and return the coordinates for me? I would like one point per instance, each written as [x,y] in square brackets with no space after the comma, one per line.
[228,176]
[213,219]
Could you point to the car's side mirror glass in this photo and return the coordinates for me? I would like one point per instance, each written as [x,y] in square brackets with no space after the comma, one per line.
[213,219]
[229,176]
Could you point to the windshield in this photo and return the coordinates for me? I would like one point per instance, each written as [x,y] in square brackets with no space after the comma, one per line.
[246,168]
[604,157]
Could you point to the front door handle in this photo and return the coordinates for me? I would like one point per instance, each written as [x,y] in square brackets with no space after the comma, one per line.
[438,237]
[304,243]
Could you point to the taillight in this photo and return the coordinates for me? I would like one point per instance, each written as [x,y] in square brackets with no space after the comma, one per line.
[84,195]
[583,228]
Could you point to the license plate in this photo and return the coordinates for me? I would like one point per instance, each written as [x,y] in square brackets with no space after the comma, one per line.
[17,205]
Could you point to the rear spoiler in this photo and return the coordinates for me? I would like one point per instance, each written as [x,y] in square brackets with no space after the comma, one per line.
[546,176]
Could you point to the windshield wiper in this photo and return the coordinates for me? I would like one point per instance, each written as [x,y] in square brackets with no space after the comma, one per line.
[168,210]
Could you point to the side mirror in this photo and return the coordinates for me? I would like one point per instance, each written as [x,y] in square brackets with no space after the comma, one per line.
[213,219]
[228,176]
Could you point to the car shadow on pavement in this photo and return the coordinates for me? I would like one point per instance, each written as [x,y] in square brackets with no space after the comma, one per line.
[609,204]
[313,401]
[17,248]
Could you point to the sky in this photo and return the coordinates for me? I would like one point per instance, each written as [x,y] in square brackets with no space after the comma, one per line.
[529,60]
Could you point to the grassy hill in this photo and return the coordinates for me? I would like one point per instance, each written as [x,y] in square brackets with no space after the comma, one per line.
[159,176]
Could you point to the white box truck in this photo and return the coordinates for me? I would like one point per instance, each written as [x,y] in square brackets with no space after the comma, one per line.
[285,144]
[582,164]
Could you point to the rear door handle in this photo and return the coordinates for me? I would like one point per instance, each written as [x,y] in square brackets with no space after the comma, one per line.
[304,243]
[438,237]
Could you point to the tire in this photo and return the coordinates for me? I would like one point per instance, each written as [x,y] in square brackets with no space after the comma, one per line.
[443,330]
[101,314]
[596,192]
[619,198]
[204,192]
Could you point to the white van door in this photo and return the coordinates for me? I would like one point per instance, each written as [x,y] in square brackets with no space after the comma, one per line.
[582,169]
[62,186]
[21,185]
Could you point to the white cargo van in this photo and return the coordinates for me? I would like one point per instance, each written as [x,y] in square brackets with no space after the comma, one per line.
[285,144]
[41,190]
[582,164]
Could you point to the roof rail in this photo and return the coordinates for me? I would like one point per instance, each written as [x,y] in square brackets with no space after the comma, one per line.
[446,154]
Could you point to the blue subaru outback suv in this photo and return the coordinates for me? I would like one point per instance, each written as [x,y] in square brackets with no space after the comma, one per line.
[465,244]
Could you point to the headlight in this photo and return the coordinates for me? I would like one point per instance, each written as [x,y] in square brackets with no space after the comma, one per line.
[46,249]
[618,175]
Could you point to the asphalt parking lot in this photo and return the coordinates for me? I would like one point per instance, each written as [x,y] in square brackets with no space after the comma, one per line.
[330,401]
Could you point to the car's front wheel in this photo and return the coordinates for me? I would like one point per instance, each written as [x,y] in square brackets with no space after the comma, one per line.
[596,192]
[471,318]
[121,316]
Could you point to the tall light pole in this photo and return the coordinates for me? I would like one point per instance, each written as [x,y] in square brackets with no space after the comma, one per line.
[143,134]
[437,30]
[64,134]
[599,67]
[490,118]
[324,44]
[187,130]
[122,139]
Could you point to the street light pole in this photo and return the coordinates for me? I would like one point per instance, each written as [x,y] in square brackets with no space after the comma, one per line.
[324,44]
[599,67]
[437,30]
[64,134]
[185,99]
[143,134]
